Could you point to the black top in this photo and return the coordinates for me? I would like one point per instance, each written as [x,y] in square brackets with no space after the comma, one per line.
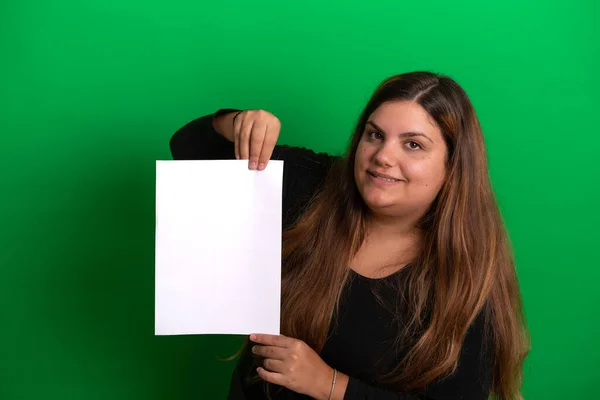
[361,344]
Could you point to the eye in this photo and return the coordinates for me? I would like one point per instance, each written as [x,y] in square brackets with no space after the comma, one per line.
[375,135]
[413,145]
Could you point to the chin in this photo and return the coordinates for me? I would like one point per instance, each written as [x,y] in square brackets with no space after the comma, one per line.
[377,202]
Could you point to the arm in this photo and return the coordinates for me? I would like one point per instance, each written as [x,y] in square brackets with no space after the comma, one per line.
[210,138]
[293,364]
[199,140]
[348,388]
[470,381]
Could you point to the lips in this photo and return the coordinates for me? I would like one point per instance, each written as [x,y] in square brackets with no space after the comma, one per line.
[384,177]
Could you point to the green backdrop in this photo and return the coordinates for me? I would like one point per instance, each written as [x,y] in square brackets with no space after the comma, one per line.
[92,91]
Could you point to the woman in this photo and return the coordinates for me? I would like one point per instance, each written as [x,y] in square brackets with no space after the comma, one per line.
[398,280]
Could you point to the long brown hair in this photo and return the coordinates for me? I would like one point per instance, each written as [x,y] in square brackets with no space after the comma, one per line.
[465,264]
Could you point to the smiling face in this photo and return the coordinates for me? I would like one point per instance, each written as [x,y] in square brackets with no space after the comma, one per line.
[400,160]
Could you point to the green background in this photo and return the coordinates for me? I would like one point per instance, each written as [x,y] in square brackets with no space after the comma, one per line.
[92,91]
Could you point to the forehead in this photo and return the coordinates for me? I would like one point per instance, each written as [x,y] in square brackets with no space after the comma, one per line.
[404,116]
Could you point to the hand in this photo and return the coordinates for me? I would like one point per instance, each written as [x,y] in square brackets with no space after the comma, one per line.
[293,364]
[254,134]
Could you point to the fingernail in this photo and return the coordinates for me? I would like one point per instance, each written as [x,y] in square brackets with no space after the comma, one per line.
[261,166]
[253,165]
[254,349]
[252,337]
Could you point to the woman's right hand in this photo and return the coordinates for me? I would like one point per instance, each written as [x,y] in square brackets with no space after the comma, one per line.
[254,133]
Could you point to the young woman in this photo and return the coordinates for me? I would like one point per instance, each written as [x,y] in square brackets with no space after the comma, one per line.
[398,280]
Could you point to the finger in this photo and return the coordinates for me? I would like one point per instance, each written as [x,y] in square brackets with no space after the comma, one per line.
[276,353]
[237,127]
[244,139]
[272,377]
[271,340]
[274,365]
[259,131]
[267,148]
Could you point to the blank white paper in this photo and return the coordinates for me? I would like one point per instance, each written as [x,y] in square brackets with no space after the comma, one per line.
[218,247]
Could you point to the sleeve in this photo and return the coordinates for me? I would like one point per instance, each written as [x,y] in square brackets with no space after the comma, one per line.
[198,140]
[303,173]
[357,389]
[470,381]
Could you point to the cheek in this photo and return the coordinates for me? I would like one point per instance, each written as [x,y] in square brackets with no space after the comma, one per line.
[428,171]
[362,156]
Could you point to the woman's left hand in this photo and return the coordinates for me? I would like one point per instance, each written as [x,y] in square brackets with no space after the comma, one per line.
[293,364]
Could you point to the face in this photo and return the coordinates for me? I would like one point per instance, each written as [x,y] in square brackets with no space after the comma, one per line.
[400,160]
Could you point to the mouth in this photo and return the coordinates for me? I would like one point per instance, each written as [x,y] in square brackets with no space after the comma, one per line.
[383,177]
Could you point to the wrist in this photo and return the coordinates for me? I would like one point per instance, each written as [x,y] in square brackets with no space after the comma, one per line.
[341,385]
[223,123]
[326,386]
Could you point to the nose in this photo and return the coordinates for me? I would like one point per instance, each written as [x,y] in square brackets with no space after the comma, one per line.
[386,155]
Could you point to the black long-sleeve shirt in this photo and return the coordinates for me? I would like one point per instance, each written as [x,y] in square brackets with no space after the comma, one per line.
[361,344]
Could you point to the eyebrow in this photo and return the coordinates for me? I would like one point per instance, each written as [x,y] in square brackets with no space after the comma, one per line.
[405,134]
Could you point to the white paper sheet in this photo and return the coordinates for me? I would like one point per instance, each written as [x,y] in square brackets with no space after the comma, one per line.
[218,247]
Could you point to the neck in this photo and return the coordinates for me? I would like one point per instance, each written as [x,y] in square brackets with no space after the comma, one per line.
[389,245]
[392,226]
